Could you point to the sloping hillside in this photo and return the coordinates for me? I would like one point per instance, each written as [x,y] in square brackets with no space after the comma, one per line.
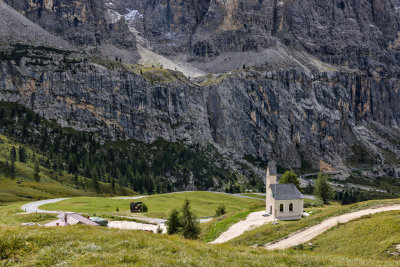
[19,182]
[16,28]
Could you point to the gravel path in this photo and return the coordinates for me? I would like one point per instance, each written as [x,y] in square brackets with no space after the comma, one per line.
[314,231]
[253,220]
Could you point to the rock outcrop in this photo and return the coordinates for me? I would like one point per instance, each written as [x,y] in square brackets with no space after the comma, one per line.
[359,34]
[323,87]
[83,23]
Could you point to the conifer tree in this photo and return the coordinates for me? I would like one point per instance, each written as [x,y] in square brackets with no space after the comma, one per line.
[323,189]
[13,154]
[12,169]
[173,223]
[36,171]
[190,225]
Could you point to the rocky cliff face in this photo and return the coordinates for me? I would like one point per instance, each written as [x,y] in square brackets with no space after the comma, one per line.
[323,87]
[84,23]
[361,34]
[286,115]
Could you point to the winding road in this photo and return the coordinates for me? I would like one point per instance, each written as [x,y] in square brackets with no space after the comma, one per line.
[34,206]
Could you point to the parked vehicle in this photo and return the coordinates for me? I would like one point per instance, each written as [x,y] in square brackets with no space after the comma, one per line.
[136,206]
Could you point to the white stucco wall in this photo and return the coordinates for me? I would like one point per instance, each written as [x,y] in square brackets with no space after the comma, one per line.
[286,214]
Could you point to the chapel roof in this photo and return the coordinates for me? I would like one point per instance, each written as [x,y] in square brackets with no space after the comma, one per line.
[285,192]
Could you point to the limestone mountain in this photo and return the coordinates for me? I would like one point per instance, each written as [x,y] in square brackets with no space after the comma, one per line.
[305,82]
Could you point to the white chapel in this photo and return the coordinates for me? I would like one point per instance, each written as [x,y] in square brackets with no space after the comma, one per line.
[283,201]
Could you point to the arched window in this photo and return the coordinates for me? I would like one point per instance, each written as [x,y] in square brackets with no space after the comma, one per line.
[291,207]
[281,208]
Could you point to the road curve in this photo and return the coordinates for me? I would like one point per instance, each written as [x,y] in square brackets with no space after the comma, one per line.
[316,230]
[34,206]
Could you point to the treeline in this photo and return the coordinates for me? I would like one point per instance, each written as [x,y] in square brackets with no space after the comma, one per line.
[146,168]
[355,196]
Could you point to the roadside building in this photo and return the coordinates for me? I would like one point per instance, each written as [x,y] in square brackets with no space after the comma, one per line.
[283,201]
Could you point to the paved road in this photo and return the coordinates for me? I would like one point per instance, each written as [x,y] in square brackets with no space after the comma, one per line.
[216,192]
[236,195]
[131,198]
[34,206]
[316,230]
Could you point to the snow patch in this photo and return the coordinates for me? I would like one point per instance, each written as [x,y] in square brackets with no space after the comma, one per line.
[132,14]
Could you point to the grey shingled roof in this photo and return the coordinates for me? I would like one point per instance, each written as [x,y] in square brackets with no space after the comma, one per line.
[285,192]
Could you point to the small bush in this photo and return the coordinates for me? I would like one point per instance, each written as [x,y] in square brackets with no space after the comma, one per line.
[145,208]
[159,230]
[309,203]
[220,210]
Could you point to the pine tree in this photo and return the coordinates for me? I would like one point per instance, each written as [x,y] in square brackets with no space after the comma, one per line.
[12,169]
[190,225]
[13,154]
[96,185]
[36,171]
[173,223]
[323,189]
[88,169]
[76,180]
[113,184]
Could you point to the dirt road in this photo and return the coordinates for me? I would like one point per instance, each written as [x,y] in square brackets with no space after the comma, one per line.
[254,220]
[314,231]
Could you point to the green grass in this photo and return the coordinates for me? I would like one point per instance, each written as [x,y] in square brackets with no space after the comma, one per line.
[90,246]
[11,214]
[202,203]
[268,233]
[22,190]
[374,236]
[365,242]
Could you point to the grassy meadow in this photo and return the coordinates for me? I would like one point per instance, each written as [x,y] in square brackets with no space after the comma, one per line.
[268,233]
[86,246]
[373,236]
[368,241]
[98,246]
[202,203]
